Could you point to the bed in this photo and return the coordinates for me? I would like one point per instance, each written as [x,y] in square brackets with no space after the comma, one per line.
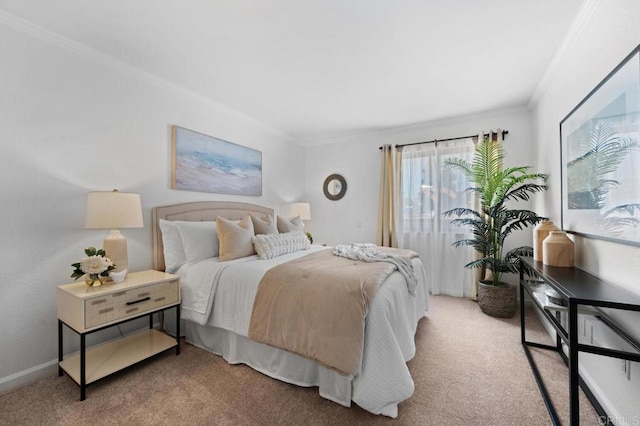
[219,324]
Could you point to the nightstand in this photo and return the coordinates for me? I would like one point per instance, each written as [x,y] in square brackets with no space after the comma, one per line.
[86,310]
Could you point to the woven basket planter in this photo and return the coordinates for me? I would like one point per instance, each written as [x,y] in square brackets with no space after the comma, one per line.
[497,301]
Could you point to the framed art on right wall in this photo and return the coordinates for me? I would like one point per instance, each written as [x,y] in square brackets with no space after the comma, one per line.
[600,157]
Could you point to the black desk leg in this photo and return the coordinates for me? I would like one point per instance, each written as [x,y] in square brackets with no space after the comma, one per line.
[574,408]
[150,321]
[83,368]
[178,330]
[558,338]
[522,325]
[60,351]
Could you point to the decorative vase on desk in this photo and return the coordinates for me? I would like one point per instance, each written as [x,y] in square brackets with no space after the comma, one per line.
[558,250]
[540,232]
[94,280]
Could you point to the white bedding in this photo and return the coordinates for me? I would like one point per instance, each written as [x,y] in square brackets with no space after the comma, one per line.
[217,300]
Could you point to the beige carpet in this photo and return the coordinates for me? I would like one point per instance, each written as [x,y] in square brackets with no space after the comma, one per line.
[469,370]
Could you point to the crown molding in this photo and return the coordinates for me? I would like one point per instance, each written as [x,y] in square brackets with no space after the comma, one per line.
[587,9]
[423,125]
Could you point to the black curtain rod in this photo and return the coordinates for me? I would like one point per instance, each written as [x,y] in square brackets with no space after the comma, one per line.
[504,132]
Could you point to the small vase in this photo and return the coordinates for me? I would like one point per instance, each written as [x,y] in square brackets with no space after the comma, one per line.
[94,280]
[540,232]
[558,250]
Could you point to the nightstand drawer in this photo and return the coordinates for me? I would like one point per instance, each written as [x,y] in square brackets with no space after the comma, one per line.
[115,306]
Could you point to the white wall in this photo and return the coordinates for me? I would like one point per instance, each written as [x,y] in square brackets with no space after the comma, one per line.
[354,218]
[607,37]
[71,122]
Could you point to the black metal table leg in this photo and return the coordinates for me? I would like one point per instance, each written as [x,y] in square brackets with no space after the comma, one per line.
[534,368]
[558,339]
[574,408]
[83,368]
[60,350]
[178,330]
[150,321]
[522,325]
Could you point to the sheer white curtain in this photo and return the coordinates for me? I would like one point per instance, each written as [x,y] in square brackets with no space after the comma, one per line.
[427,189]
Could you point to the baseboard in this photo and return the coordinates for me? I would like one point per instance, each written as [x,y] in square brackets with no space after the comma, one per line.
[27,376]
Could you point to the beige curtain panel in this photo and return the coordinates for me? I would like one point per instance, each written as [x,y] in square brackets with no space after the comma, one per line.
[386,235]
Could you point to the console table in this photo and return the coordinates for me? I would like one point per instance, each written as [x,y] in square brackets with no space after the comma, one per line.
[580,292]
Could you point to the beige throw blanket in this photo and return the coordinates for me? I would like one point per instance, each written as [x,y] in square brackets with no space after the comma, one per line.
[316,306]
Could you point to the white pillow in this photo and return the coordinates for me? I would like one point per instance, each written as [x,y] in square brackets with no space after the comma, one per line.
[269,246]
[199,240]
[174,256]
[235,238]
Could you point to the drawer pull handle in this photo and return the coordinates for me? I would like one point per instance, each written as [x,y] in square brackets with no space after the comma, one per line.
[138,301]
[159,299]
[118,294]
[128,311]
[146,293]
[104,311]
[97,302]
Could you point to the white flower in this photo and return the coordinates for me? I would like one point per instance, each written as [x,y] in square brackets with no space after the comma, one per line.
[95,264]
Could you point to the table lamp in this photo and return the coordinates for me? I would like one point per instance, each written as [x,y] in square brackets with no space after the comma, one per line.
[113,210]
[301,209]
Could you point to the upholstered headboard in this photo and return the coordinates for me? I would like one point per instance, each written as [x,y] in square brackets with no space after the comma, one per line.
[193,212]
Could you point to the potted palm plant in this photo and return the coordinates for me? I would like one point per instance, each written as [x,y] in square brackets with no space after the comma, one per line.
[496,188]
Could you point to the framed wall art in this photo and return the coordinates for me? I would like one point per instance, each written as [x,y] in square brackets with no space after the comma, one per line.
[207,164]
[600,156]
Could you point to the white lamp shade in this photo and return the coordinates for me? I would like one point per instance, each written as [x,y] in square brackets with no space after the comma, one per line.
[301,209]
[113,210]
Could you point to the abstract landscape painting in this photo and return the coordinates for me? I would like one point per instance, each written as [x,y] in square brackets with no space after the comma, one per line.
[207,164]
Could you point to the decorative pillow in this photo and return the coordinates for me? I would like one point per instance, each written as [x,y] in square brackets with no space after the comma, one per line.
[264,224]
[269,246]
[290,225]
[235,239]
[174,256]
[199,240]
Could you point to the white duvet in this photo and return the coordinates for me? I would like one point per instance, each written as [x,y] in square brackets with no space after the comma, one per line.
[220,294]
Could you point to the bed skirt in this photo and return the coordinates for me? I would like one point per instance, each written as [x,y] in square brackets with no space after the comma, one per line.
[273,362]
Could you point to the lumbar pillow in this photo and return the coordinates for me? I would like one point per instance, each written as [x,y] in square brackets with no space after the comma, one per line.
[199,240]
[269,246]
[264,224]
[174,256]
[290,225]
[235,239]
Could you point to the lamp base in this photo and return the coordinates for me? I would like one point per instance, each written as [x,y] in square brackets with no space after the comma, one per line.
[115,247]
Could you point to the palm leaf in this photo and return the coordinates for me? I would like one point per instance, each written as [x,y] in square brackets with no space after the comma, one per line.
[587,175]
[619,219]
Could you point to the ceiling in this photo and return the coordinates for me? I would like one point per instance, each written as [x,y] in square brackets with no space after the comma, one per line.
[320,69]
